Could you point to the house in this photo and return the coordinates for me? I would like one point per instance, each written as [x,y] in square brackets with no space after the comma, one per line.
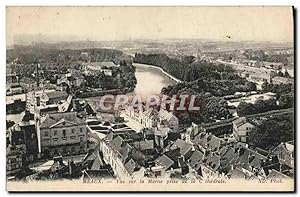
[285,153]
[65,105]
[119,154]
[272,65]
[62,134]
[210,164]
[242,129]
[11,78]
[84,56]
[179,167]
[92,175]
[28,84]
[74,79]
[24,132]
[206,141]
[192,131]
[214,157]
[105,67]
[160,135]
[14,159]
[144,145]
[162,165]
[275,175]
[282,80]
[253,63]
[149,118]
[13,89]
[32,97]
[195,161]
[185,148]
[259,77]
[168,119]
[82,107]
[52,97]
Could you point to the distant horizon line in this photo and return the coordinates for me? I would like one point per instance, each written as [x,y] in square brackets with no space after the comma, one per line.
[31,42]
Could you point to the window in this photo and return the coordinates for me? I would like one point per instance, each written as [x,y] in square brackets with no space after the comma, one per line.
[73,130]
[55,132]
[81,139]
[81,130]
[281,155]
[46,133]
[64,133]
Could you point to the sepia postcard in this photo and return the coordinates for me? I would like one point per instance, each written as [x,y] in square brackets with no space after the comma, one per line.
[150,99]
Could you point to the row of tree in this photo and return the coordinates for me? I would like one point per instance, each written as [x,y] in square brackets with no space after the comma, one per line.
[259,106]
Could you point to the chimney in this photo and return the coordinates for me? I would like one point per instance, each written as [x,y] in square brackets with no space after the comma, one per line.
[251,157]
[261,162]
[74,104]
[241,151]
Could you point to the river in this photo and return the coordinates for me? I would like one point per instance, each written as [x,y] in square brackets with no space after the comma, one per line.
[150,80]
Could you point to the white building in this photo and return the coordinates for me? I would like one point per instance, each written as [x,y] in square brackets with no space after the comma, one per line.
[242,129]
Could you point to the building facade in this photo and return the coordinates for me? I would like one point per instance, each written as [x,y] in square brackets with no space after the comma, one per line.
[62,134]
[242,129]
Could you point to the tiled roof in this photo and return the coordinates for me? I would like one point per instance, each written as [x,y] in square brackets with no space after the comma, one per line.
[117,143]
[27,80]
[130,166]
[236,173]
[165,115]
[240,121]
[96,174]
[248,157]
[110,136]
[162,131]
[164,161]
[144,145]
[125,150]
[182,145]
[213,161]
[208,141]
[149,112]
[53,118]
[173,154]
[196,158]
[57,94]
[102,64]
[97,162]
[276,174]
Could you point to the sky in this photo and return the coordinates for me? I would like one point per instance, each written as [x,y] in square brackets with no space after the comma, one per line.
[273,24]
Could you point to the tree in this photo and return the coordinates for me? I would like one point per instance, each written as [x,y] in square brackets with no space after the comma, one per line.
[245,109]
[280,74]
[286,74]
[286,101]
[266,87]
[9,123]
[265,105]
[250,86]
[273,131]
